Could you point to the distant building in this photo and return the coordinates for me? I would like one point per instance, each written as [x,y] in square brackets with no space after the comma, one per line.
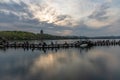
[41,35]
[41,32]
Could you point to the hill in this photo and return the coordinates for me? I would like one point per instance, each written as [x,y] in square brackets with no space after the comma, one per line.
[22,35]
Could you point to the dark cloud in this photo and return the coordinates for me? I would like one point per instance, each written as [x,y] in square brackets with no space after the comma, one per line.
[100,13]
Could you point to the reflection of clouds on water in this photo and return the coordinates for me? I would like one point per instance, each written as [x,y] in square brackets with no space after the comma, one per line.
[97,65]
[107,63]
[66,64]
[62,66]
[104,58]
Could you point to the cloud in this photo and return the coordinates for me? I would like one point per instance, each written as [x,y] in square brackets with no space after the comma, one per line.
[18,10]
[64,32]
[101,17]
[44,12]
[100,12]
[114,28]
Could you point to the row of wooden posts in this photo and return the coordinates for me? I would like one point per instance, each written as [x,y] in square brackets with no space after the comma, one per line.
[89,43]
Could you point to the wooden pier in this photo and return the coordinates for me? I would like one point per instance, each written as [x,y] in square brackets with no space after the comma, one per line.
[76,44]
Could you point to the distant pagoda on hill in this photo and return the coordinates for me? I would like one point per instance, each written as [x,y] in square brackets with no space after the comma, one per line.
[41,35]
[41,32]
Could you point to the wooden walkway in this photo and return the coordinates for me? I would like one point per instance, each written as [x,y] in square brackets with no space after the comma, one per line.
[78,44]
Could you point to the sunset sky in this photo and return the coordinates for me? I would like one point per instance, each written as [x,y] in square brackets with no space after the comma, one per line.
[62,17]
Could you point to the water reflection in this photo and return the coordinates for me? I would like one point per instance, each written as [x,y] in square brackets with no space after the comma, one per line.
[45,49]
[65,64]
[72,66]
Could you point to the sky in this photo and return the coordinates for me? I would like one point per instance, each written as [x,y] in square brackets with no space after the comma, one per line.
[62,17]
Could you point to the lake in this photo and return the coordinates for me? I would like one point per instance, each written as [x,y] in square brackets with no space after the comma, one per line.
[95,63]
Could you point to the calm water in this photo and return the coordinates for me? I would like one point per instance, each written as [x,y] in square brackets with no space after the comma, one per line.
[97,63]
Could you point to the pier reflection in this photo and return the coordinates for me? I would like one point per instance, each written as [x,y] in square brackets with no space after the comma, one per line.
[46,49]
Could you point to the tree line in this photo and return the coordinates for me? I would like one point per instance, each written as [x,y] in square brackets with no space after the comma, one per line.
[22,35]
